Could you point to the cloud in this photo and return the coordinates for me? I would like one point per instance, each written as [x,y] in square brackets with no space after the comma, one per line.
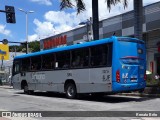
[43,30]
[33,37]
[44,2]
[62,18]
[60,21]
[54,23]
[4,31]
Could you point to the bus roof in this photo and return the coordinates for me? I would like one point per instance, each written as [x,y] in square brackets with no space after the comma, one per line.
[86,44]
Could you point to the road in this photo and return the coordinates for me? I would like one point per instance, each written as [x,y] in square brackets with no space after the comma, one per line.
[15,100]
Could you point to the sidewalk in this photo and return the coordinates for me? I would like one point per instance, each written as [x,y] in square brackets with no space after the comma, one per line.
[148,92]
[6,86]
[140,94]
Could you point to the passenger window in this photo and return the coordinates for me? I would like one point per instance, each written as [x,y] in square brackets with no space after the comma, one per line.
[16,67]
[25,64]
[36,63]
[63,60]
[48,61]
[80,58]
[99,55]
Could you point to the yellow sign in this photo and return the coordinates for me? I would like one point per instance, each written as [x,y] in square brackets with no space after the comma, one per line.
[4,52]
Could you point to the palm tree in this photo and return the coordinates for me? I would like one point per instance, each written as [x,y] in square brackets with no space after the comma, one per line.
[81,7]
[138,18]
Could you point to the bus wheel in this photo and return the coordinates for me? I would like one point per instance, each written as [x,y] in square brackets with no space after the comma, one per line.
[30,92]
[71,91]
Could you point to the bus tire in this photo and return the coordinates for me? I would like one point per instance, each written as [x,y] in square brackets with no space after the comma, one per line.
[30,92]
[71,91]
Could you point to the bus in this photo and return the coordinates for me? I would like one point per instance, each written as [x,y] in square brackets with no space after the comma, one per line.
[110,65]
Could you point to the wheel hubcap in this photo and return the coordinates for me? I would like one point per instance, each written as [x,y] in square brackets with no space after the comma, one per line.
[70,91]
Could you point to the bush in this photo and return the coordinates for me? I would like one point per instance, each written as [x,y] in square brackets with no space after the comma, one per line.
[151,81]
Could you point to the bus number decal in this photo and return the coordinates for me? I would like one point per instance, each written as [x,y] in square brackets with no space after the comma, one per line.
[105,71]
[69,74]
[106,78]
[125,75]
[106,75]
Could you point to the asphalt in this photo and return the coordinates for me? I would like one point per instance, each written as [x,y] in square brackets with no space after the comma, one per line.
[124,94]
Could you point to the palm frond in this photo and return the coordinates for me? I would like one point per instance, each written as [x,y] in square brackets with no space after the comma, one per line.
[80,6]
[66,4]
[114,2]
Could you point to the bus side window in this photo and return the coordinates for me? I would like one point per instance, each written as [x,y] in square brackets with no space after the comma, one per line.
[48,61]
[25,64]
[80,58]
[36,63]
[99,55]
[63,60]
[56,65]
[16,67]
[33,67]
[76,61]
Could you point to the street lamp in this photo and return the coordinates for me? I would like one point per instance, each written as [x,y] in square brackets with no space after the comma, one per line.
[26,12]
[87,23]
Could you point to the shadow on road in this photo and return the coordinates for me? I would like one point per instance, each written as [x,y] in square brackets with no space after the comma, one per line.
[106,98]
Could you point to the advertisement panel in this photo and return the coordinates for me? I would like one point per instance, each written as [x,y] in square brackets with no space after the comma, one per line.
[4,52]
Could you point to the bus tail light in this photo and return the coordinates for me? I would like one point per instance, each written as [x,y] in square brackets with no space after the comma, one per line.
[118,76]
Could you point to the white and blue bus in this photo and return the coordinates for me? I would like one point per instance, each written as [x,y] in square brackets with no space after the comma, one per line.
[110,65]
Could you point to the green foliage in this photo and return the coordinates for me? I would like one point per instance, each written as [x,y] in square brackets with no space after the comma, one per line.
[17,48]
[80,5]
[33,47]
[151,81]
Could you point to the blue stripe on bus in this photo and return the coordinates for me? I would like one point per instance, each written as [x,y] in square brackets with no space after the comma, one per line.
[86,44]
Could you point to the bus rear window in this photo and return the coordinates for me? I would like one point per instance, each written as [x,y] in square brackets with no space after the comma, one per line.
[131,40]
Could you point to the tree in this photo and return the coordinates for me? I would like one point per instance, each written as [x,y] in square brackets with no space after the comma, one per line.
[33,47]
[81,7]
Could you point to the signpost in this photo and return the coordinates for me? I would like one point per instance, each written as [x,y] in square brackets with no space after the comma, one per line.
[5,42]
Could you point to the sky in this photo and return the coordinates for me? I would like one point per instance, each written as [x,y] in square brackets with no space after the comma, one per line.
[48,20]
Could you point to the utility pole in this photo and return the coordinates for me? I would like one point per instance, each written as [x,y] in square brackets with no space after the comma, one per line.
[26,13]
[2,58]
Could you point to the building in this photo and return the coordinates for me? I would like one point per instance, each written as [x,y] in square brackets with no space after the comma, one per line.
[6,66]
[121,25]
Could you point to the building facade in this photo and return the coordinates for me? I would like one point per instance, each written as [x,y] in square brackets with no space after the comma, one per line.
[6,66]
[121,25]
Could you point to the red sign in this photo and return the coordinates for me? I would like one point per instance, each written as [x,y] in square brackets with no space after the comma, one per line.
[62,40]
